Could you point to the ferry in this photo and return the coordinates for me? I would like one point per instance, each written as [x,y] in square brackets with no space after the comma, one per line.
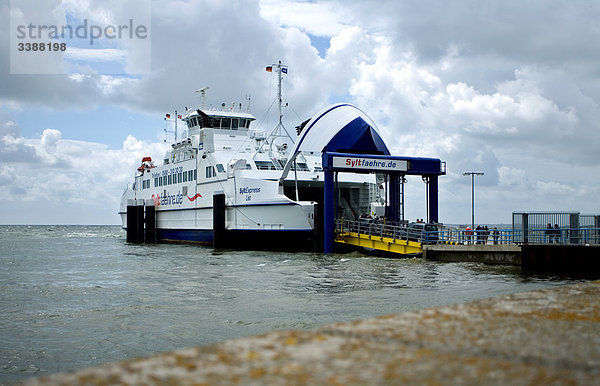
[272,182]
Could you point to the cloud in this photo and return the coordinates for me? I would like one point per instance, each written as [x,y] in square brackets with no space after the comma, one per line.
[314,18]
[509,89]
[58,171]
[95,55]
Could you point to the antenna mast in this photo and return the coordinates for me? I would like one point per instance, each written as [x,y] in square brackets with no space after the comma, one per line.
[279,130]
[202,92]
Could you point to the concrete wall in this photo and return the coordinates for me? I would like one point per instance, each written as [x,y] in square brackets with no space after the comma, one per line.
[488,254]
[583,259]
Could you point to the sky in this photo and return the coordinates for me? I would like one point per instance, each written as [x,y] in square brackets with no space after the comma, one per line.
[508,88]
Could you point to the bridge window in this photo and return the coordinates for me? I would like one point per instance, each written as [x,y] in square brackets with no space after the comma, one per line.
[226,123]
[210,172]
[234,123]
[220,168]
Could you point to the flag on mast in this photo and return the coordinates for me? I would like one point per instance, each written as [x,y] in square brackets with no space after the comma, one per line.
[269,69]
[284,70]
[168,116]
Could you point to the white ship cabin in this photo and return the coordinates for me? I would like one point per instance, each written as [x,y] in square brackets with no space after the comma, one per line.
[227,135]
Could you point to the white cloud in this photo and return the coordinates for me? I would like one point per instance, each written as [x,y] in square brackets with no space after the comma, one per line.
[553,188]
[314,18]
[509,89]
[95,55]
[58,171]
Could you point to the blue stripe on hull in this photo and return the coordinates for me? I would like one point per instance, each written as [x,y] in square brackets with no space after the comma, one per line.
[186,235]
[252,239]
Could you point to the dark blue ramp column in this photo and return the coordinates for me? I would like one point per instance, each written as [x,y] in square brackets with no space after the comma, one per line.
[394,205]
[433,199]
[328,210]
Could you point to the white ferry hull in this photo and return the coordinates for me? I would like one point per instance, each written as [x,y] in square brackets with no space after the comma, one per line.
[267,225]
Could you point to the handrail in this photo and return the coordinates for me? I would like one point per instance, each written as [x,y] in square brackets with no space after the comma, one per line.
[408,232]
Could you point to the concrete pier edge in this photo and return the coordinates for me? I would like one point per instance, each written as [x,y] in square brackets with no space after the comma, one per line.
[548,336]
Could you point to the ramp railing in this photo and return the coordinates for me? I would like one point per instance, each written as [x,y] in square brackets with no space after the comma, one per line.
[450,235]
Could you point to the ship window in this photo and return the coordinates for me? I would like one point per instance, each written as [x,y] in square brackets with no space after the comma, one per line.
[185,174]
[170,179]
[242,123]
[195,176]
[234,123]
[164,180]
[248,167]
[220,168]
[303,167]
[210,172]
[179,177]
[265,165]
[194,121]
[190,175]
[248,123]
[155,181]
[217,122]
[226,123]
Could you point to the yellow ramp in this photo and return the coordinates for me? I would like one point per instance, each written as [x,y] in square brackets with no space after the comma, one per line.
[380,243]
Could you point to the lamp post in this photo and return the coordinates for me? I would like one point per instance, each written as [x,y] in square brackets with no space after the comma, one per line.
[473,174]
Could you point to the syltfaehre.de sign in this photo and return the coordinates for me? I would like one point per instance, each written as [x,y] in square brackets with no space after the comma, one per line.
[374,164]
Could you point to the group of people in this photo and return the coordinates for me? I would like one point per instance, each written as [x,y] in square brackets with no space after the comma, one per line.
[553,234]
[481,234]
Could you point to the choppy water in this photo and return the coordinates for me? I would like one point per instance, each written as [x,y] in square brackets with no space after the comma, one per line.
[74,296]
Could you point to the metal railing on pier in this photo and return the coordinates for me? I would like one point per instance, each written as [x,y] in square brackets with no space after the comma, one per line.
[438,234]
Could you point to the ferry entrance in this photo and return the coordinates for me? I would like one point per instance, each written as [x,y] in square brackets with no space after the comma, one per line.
[393,168]
[349,142]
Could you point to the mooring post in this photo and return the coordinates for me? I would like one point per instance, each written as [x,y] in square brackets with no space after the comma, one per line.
[131,221]
[139,221]
[150,236]
[219,220]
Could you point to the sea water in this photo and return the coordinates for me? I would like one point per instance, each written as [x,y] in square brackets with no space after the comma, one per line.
[75,296]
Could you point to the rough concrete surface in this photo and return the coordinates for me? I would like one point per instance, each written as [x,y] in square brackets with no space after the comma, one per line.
[549,336]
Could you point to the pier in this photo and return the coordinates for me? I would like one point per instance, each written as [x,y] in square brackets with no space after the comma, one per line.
[573,248]
[549,336]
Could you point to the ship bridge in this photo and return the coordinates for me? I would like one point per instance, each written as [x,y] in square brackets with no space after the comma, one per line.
[349,141]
